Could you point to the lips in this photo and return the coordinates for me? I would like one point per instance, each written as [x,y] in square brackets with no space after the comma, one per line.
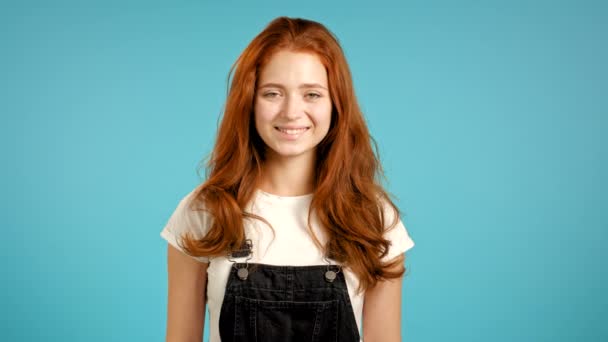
[292,130]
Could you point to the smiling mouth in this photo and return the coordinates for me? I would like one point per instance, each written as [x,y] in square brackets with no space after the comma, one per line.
[292,131]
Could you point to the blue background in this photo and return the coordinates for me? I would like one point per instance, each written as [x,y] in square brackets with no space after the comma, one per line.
[491,117]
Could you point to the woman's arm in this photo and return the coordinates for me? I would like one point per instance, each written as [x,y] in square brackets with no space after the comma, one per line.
[186,297]
[382,310]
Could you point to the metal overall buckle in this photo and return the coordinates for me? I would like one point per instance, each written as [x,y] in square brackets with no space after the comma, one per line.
[246,250]
[331,275]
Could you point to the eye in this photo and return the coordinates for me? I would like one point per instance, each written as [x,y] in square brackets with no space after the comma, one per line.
[271,94]
[313,96]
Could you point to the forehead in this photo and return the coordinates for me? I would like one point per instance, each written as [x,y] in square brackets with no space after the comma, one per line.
[293,68]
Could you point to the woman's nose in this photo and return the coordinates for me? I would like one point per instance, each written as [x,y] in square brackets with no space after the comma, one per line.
[292,107]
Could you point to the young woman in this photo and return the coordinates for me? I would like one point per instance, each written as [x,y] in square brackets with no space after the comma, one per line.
[291,237]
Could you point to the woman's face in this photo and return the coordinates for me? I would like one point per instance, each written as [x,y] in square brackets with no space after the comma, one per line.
[292,106]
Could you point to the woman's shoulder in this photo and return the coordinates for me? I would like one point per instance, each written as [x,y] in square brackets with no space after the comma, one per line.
[188,218]
[189,215]
[395,230]
[389,211]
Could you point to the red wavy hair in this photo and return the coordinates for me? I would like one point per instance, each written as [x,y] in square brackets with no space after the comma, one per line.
[347,196]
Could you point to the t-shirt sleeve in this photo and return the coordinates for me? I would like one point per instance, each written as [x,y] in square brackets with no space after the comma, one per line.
[398,235]
[185,220]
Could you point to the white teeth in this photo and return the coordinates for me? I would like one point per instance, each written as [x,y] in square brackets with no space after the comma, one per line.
[292,131]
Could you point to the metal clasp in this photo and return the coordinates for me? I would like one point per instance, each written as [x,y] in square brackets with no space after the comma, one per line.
[331,275]
[246,250]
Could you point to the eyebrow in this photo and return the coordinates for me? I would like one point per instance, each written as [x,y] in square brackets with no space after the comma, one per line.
[302,86]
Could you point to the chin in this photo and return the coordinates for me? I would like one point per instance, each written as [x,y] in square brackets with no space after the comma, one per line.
[290,153]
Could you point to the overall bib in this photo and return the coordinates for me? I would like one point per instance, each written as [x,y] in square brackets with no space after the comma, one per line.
[267,303]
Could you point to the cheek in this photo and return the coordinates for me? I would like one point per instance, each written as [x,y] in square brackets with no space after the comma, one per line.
[263,113]
[322,115]
[258,118]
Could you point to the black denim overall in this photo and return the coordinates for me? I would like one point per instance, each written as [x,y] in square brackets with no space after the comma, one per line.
[267,303]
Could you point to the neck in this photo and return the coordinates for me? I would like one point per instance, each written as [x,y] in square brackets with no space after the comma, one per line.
[292,176]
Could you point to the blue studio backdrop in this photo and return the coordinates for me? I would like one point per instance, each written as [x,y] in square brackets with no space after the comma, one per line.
[491,117]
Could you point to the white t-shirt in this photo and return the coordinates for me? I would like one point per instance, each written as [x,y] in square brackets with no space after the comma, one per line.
[292,244]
